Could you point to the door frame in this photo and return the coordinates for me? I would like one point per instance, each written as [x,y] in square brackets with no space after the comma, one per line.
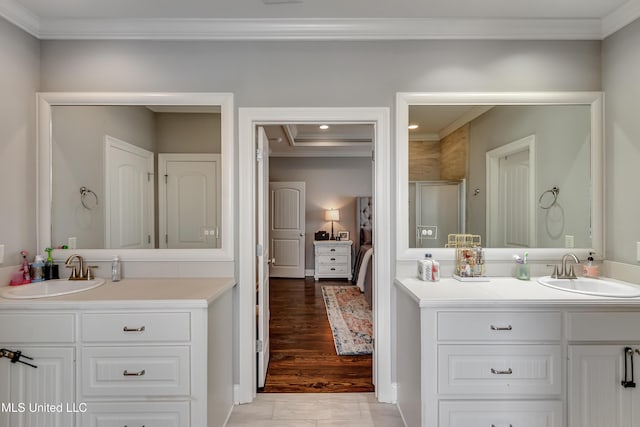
[527,143]
[248,119]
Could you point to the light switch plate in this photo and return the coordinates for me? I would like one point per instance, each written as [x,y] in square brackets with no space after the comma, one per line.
[2,253]
[638,251]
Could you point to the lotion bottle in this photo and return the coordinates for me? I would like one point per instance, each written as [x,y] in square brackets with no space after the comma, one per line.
[590,269]
[116,273]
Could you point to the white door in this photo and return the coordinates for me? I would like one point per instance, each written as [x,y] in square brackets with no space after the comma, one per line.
[52,382]
[263,259]
[189,200]
[596,395]
[513,211]
[287,231]
[511,195]
[129,218]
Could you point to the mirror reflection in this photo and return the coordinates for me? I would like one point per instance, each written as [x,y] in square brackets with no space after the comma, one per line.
[133,177]
[516,175]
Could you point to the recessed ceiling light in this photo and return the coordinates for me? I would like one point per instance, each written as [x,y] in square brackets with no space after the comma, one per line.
[412,127]
[324,127]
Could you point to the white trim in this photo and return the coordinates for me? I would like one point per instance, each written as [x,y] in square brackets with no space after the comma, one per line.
[44,102]
[594,99]
[20,16]
[620,17]
[248,118]
[528,144]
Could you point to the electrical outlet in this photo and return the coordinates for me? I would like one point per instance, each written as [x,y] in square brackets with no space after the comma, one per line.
[2,253]
[73,243]
[568,241]
[428,232]
[638,251]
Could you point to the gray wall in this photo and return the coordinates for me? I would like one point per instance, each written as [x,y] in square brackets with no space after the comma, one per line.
[78,160]
[19,79]
[562,159]
[620,71]
[188,133]
[331,182]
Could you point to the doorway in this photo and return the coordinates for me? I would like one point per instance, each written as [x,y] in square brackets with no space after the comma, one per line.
[249,118]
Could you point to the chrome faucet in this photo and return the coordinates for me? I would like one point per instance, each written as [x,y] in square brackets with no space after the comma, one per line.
[79,272]
[563,273]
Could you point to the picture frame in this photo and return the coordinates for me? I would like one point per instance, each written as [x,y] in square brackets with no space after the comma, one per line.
[343,235]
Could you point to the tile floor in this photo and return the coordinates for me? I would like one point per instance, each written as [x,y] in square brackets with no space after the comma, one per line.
[315,410]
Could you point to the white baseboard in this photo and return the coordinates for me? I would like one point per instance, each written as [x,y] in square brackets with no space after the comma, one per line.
[621,271]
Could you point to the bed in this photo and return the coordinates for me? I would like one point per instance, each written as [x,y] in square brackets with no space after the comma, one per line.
[362,269]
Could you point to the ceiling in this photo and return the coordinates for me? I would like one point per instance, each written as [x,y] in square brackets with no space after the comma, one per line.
[309,140]
[320,19]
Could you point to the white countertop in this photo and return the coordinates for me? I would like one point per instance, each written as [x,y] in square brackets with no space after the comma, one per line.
[134,293]
[500,290]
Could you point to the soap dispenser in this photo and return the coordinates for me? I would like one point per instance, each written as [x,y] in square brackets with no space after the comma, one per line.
[590,269]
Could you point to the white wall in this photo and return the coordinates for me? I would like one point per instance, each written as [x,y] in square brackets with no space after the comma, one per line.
[19,80]
[331,182]
[620,71]
[562,159]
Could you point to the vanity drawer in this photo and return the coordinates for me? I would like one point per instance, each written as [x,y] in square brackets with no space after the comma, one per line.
[41,328]
[165,414]
[500,326]
[135,371]
[501,413]
[499,369]
[333,250]
[603,326]
[136,327]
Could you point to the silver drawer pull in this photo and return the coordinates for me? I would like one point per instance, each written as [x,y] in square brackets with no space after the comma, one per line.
[492,425]
[507,372]
[133,374]
[128,329]
[501,328]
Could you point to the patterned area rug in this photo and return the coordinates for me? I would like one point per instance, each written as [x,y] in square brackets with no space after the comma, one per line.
[350,318]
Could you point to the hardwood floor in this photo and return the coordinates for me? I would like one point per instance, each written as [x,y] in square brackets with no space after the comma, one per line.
[303,356]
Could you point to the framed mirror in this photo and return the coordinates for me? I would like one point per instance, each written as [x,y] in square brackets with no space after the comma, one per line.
[148,176]
[518,171]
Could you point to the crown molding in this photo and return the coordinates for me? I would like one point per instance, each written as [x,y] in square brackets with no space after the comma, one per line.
[321,29]
[20,16]
[621,17]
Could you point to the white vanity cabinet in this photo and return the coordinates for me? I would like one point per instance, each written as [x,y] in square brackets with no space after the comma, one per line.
[597,344]
[38,396]
[156,352]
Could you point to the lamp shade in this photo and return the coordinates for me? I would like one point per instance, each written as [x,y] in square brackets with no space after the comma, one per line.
[332,215]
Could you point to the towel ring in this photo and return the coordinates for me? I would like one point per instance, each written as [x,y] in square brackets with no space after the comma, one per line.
[554,192]
[87,204]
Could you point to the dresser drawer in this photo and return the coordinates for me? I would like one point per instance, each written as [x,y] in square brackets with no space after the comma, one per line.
[603,326]
[136,327]
[135,371]
[40,328]
[333,250]
[165,414]
[332,259]
[500,326]
[499,369]
[501,414]
[332,269]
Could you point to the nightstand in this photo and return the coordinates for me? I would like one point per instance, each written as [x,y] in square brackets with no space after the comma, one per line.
[332,259]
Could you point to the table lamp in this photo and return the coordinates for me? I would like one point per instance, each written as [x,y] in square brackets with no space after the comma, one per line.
[332,215]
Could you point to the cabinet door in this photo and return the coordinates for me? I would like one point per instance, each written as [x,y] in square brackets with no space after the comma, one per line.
[42,396]
[596,395]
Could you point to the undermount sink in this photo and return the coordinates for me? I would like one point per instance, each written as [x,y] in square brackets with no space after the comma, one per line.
[50,288]
[591,286]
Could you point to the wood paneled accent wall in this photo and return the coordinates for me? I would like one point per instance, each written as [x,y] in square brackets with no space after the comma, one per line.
[424,160]
[454,150]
